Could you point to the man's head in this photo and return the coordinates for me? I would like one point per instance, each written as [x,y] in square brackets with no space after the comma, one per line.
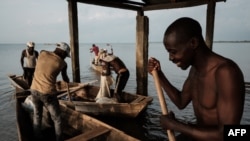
[30,44]
[108,58]
[181,39]
[185,28]
[63,47]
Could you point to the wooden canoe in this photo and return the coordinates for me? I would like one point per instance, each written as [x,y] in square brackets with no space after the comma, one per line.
[77,126]
[84,102]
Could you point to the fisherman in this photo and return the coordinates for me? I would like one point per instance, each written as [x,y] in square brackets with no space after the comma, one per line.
[28,62]
[122,77]
[95,49]
[215,84]
[104,94]
[43,88]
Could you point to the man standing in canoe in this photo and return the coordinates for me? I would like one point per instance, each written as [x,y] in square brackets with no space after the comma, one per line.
[215,84]
[122,72]
[95,49]
[43,88]
[28,62]
[104,94]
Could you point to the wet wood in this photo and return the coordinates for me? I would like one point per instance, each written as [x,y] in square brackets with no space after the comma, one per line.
[115,4]
[74,41]
[83,99]
[180,4]
[142,53]
[162,101]
[210,24]
[75,123]
[91,134]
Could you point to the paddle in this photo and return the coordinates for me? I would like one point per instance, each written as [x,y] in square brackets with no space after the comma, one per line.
[68,91]
[162,102]
[111,49]
[76,89]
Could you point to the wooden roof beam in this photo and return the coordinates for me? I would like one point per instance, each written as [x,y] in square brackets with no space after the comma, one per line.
[181,4]
[125,4]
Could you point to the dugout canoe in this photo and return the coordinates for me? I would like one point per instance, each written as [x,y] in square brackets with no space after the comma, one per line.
[77,126]
[83,95]
[20,84]
[84,102]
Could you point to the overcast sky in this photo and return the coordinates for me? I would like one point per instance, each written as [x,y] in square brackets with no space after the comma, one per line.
[46,21]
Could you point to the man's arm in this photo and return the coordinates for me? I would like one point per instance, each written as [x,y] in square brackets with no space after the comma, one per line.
[231,93]
[230,103]
[36,54]
[64,74]
[180,99]
[22,57]
[193,131]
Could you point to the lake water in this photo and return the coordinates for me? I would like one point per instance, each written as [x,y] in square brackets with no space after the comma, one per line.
[146,127]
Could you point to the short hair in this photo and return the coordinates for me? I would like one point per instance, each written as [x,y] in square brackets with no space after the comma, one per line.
[185,28]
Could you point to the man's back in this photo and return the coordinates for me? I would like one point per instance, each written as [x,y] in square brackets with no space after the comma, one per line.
[48,67]
[118,64]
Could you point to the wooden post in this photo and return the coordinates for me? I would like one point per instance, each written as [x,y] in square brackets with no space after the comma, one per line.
[74,43]
[142,26]
[210,23]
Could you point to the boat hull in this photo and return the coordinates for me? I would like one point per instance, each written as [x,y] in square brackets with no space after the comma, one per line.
[77,126]
[83,96]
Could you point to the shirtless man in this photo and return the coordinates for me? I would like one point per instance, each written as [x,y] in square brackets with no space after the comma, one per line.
[215,84]
[28,62]
[122,72]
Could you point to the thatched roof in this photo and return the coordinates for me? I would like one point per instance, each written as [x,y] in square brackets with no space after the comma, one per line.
[146,5]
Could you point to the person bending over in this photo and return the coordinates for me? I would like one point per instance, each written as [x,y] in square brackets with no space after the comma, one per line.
[122,77]
[43,88]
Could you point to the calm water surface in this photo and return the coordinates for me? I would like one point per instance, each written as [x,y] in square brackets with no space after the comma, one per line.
[146,126]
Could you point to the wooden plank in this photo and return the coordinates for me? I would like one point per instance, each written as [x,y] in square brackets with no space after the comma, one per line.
[173,5]
[112,4]
[74,40]
[142,31]
[210,24]
[90,134]
[137,100]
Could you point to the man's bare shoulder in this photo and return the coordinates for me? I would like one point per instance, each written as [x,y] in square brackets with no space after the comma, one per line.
[228,65]
[229,73]
[23,53]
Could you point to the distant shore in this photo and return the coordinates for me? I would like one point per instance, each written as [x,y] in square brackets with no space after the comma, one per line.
[246,41]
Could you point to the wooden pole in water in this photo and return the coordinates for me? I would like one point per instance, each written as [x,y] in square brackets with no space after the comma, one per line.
[68,91]
[162,102]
